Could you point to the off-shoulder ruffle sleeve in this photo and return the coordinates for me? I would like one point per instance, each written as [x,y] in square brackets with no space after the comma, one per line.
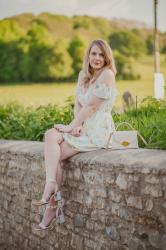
[105,85]
[102,90]
[106,91]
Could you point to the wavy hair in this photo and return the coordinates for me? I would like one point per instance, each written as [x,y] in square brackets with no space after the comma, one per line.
[109,62]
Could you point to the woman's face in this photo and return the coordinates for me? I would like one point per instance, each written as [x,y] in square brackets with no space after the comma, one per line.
[96,58]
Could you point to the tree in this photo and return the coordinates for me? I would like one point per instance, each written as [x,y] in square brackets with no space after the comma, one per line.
[81,22]
[163,42]
[76,50]
[35,57]
[60,65]
[10,31]
[49,58]
[150,44]
[124,67]
[9,60]
[127,43]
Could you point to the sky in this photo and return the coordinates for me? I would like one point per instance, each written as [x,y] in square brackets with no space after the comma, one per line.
[141,10]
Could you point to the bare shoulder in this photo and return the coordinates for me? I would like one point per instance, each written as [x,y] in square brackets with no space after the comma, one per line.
[108,74]
[107,77]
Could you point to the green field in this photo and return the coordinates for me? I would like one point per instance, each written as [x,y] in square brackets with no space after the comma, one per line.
[56,93]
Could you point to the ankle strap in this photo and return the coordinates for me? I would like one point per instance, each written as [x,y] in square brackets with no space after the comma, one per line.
[57,196]
[60,204]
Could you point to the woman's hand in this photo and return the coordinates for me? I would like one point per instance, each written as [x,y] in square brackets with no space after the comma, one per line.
[63,128]
[77,131]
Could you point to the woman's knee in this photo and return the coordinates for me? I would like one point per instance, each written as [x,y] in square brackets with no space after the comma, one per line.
[53,134]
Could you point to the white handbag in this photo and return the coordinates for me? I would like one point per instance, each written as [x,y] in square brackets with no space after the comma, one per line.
[124,139]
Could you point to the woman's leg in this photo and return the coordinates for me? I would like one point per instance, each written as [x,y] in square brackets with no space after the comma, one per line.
[52,153]
[66,152]
[59,175]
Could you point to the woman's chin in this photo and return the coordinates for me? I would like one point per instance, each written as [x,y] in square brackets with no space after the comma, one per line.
[97,68]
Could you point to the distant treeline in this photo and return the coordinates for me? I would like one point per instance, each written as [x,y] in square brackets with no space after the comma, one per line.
[51,48]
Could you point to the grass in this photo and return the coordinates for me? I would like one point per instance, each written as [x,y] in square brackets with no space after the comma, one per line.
[55,93]
[36,94]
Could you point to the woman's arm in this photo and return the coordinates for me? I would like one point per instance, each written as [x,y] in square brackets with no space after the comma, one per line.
[77,107]
[85,112]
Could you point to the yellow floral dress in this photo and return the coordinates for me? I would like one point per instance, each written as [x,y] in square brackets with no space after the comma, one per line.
[97,128]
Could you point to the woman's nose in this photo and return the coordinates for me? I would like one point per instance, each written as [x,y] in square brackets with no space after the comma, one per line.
[97,57]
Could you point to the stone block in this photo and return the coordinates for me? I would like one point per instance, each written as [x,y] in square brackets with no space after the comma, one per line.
[115,195]
[93,177]
[157,240]
[98,191]
[132,177]
[133,187]
[77,242]
[152,179]
[90,244]
[134,201]
[79,220]
[121,181]
[112,232]
[77,174]
[99,215]
[121,211]
[153,190]
[148,205]
[110,179]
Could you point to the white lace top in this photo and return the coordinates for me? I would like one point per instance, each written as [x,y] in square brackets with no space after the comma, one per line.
[97,128]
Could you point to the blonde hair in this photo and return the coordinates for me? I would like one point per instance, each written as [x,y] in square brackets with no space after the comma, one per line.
[108,61]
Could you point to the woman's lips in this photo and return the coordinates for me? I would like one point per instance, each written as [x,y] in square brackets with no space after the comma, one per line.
[97,64]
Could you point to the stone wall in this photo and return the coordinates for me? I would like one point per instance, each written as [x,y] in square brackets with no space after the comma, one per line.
[114,200]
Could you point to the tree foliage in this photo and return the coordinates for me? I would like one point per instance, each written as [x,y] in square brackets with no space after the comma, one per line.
[35,57]
[124,67]
[76,49]
[150,44]
[50,47]
[128,43]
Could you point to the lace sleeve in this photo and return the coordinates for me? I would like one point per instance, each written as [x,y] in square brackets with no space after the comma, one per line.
[105,87]
[102,90]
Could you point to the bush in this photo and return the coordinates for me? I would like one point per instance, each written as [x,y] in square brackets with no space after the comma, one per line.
[17,122]
[21,123]
[149,120]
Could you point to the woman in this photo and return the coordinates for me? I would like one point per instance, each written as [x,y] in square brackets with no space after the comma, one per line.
[89,130]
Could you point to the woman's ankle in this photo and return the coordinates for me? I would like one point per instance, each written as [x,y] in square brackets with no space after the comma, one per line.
[48,190]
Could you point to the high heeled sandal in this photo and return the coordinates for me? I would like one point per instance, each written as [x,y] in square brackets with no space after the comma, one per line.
[58,218]
[44,201]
